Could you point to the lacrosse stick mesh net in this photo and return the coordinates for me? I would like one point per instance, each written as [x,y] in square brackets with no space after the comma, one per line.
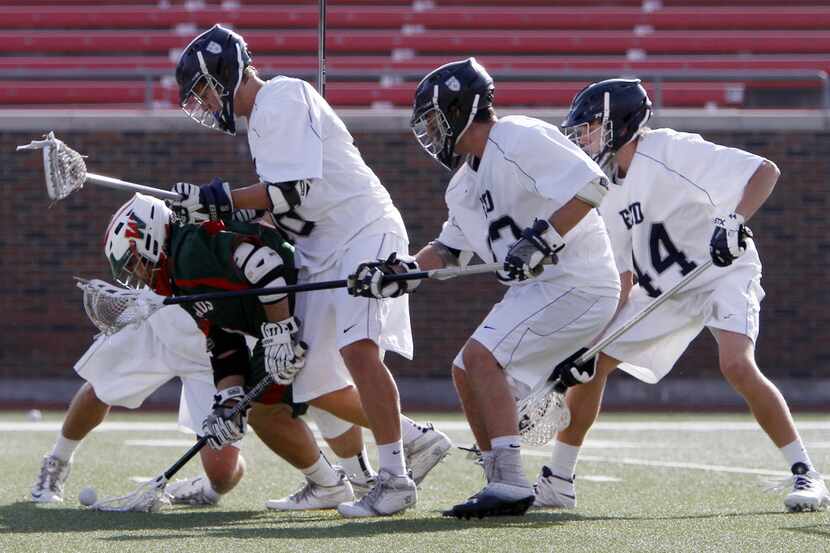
[543,418]
[65,168]
[147,498]
[111,308]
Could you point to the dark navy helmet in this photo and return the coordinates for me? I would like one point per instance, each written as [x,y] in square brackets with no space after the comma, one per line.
[446,101]
[208,73]
[621,108]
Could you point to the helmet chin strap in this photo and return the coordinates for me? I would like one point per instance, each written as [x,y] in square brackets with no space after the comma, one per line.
[473,111]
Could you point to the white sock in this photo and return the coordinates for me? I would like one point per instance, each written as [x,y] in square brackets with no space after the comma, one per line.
[410,430]
[391,458]
[321,472]
[65,448]
[358,465]
[563,459]
[796,453]
[506,442]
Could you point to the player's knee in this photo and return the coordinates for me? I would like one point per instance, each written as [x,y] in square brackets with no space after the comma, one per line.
[362,355]
[477,358]
[224,469]
[88,396]
[264,415]
[741,373]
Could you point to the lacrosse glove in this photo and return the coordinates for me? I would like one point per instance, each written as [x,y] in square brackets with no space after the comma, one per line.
[284,356]
[198,204]
[526,256]
[728,241]
[568,373]
[367,280]
[220,427]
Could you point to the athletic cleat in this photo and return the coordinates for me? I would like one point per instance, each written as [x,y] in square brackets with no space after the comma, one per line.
[313,496]
[362,484]
[495,500]
[426,451]
[48,488]
[809,490]
[392,494]
[553,491]
[193,491]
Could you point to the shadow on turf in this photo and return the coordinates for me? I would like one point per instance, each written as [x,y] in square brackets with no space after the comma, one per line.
[818,530]
[26,517]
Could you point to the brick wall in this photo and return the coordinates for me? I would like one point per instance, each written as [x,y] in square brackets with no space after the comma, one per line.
[44,329]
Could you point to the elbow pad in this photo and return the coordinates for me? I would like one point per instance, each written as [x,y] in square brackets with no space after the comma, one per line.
[593,192]
[262,267]
[285,196]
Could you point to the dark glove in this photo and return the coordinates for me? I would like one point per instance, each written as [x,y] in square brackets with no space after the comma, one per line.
[568,373]
[367,280]
[526,256]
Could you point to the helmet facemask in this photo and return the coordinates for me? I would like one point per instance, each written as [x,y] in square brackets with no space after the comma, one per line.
[203,102]
[435,133]
[595,138]
[135,240]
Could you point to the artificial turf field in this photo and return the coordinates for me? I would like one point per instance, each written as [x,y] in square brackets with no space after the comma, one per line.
[650,483]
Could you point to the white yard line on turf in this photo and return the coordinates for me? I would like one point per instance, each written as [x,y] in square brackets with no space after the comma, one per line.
[664,464]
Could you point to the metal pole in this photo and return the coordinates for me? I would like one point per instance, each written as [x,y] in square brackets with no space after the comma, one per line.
[321,50]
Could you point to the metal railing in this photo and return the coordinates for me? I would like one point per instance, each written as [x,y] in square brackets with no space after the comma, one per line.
[152,78]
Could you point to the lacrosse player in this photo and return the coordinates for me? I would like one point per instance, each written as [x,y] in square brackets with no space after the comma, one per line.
[521,194]
[143,248]
[323,195]
[123,370]
[676,200]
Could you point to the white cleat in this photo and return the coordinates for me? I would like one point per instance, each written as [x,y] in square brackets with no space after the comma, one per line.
[313,496]
[362,484]
[809,491]
[392,494]
[553,491]
[426,451]
[193,491]
[48,488]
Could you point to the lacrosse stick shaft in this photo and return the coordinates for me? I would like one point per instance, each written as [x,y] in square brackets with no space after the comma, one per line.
[118,184]
[255,392]
[321,50]
[664,297]
[435,274]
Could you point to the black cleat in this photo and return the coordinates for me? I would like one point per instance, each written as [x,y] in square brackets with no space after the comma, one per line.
[488,505]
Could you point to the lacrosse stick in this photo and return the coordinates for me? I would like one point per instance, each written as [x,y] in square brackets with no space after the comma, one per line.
[65,172]
[544,412]
[111,308]
[149,497]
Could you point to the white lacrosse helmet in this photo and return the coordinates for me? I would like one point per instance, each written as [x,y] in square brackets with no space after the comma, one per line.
[135,238]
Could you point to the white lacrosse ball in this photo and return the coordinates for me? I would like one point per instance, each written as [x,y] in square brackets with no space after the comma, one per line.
[34,415]
[88,496]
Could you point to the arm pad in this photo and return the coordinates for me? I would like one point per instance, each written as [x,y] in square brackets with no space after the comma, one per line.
[228,354]
[285,196]
[451,256]
[593,192]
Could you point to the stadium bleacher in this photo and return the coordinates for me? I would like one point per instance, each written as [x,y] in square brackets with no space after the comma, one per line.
[540,52]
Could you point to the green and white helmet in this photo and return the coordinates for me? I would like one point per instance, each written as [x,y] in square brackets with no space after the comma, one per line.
[135,238]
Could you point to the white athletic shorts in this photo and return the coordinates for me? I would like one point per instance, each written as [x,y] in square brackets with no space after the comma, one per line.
[125,368]
[536,326]
[651,347]
[332,319]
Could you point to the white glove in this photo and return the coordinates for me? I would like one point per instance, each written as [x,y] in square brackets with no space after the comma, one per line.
[220,428]
[728,241]
[188,208]
[284,357]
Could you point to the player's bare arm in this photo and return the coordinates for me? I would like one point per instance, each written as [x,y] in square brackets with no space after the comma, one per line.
[728,240]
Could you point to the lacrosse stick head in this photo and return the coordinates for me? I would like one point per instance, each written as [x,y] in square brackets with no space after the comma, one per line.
[111,308]
[135,238]
[541,416]
[64,168]
[149,497]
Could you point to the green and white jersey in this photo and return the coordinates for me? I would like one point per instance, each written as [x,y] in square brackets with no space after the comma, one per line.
[202,261]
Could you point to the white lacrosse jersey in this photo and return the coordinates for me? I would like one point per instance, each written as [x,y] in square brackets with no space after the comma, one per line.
[294,134]
[659,217]
[528,171]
